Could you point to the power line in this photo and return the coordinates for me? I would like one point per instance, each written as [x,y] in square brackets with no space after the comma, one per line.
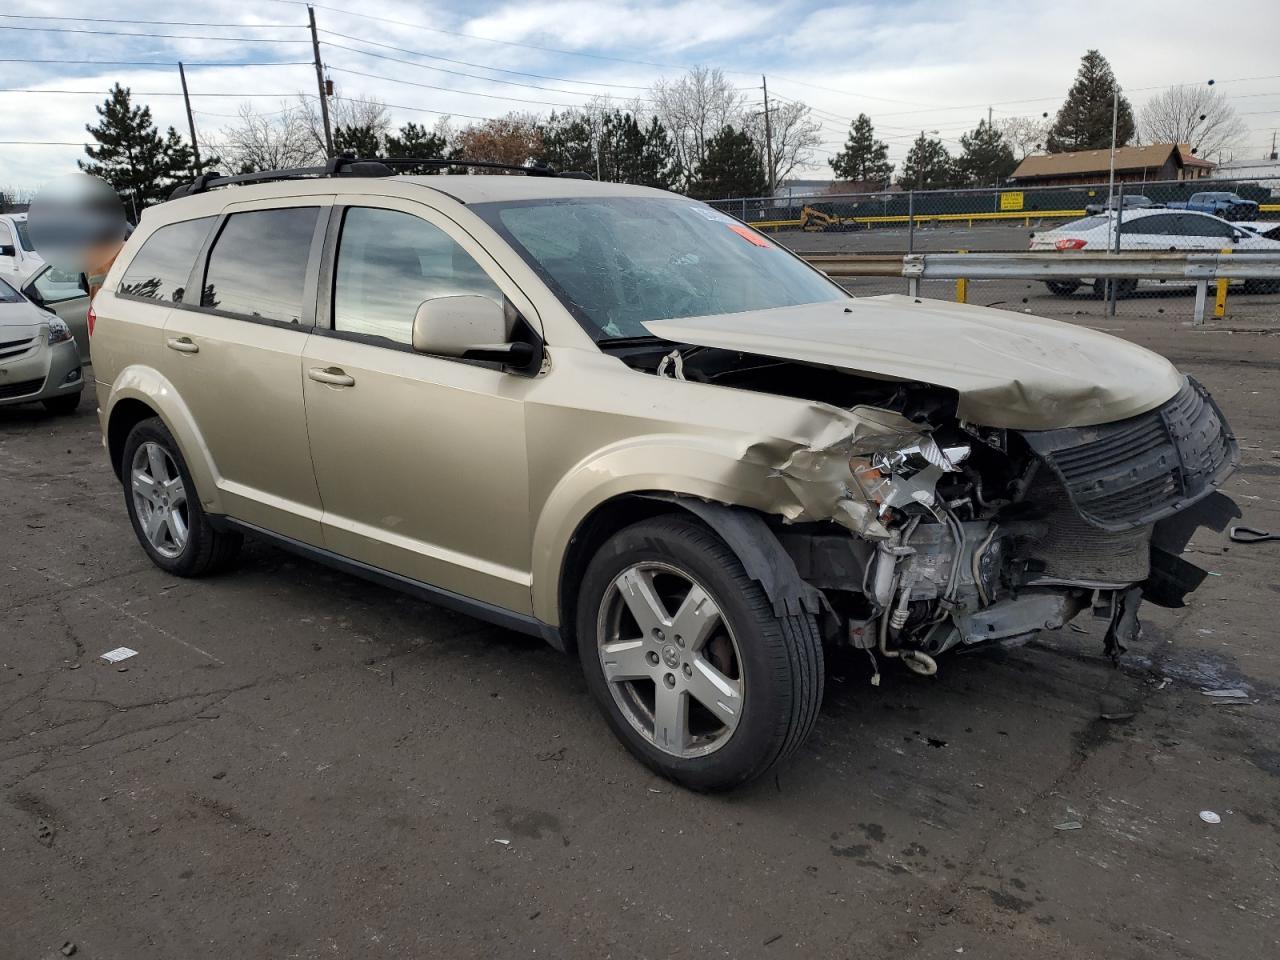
[575,53]
[466,93]
[400,106]
[155,93]
[166,23]
[459,73]
[465,63]
[166,63]
[150,36]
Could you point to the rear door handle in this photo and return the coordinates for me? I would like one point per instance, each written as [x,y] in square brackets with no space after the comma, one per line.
[182,345]
[334,376]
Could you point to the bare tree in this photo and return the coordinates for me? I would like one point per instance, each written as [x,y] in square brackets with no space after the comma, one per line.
[346,113]
[512,139]
[1194,114]
[794,134]
[1025,134]
[270,141]
[694,108]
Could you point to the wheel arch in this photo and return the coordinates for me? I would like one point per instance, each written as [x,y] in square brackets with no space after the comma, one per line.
[743,530]
[140,393]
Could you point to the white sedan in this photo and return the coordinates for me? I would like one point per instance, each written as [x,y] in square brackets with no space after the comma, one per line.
[1151,230]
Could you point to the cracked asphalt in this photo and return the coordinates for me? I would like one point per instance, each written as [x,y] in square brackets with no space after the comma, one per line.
[299,764]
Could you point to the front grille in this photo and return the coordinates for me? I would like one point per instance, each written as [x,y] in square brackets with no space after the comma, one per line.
[1133,472]
[12,348]
[20,389]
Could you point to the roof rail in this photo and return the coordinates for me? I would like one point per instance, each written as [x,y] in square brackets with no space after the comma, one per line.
[348,165]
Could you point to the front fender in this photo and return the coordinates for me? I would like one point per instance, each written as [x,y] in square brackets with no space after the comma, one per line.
[759,474]
[147,385]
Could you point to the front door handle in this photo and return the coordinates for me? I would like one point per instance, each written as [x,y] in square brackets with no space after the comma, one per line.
[182,345]
[334,376]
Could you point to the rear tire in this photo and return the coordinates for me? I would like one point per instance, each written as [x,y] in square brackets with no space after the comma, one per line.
[164,506]
[1062,288]
[709,689]
[64,405]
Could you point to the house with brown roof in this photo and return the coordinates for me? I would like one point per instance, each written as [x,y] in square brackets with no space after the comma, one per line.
[1156,161]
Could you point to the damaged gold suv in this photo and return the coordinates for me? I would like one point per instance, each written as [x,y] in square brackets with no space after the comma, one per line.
[615,418]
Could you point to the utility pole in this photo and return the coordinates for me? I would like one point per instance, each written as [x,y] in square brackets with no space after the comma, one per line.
[768,136]
[988,118]
[324,99]
[191,123]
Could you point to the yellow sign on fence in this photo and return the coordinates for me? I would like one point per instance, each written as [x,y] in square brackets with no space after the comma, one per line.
[1011,201]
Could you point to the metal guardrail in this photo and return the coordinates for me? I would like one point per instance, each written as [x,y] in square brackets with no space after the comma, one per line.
[1200,268]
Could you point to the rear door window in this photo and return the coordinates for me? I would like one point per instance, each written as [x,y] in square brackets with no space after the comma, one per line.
[388,263]
[258,265]
[160,270]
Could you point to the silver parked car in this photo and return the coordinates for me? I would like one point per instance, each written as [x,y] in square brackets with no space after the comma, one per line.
[39,360]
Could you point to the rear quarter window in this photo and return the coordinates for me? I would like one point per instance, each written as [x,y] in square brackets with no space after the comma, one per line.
[161,267]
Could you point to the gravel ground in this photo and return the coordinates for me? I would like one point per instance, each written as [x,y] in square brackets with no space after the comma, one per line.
[298,764]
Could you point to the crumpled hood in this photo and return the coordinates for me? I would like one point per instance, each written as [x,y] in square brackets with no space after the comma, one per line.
[1010,369]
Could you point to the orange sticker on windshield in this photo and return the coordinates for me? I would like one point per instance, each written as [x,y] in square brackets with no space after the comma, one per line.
[747,234]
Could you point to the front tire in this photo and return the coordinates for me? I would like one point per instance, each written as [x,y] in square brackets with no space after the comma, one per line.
[164,508]
[686,658]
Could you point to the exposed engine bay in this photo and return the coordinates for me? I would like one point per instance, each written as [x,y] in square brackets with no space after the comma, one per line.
[967,534]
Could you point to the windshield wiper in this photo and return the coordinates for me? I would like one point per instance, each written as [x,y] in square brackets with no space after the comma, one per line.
[643,340]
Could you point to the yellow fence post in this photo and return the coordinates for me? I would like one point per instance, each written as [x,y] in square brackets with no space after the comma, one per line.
[1220,301]
[962,286]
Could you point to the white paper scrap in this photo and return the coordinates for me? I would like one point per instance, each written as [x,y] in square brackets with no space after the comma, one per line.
[118,654]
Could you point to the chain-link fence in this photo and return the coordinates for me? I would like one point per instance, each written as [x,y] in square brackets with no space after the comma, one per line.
[1207,216]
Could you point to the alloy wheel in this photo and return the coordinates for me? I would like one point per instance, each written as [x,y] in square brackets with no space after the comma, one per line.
[160,499]
[670,660]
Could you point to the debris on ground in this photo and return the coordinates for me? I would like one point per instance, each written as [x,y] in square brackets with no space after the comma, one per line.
[1208,816]
[118,654]
[68,948]
[505,843]
[1069,825]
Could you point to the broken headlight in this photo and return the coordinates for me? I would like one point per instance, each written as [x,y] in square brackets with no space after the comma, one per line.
[893,471]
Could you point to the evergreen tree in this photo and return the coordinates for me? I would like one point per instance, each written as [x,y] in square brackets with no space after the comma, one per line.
[361,140]
[732,168]
[928,166]
[1084,122]
[987,157]
[414,140]
[864,158]
[140,164]
[568,142]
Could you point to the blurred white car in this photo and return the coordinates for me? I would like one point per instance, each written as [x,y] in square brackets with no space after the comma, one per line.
[18,257]
[1152,230]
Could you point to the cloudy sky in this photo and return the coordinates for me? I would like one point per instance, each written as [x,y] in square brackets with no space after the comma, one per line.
[912,66]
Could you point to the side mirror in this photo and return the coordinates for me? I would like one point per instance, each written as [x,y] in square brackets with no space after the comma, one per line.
[467,327]
[83,280]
